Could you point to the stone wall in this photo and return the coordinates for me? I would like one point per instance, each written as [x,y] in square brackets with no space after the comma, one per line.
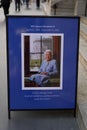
[47,7]
[69,7]
[64,7]
[80,6]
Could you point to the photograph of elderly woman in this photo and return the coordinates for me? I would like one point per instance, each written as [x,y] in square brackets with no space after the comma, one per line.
[42,59]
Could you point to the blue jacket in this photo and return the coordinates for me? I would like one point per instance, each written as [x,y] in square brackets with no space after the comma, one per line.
[49,67]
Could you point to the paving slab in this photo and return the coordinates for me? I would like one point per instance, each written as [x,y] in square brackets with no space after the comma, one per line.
[83,50]
[82,77]
[82,93]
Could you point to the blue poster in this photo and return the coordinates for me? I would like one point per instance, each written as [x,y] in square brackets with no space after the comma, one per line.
[42,62]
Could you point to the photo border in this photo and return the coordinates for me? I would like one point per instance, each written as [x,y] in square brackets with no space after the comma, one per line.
[61,62]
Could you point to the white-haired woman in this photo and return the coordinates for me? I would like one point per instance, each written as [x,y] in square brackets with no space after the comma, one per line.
[48,68]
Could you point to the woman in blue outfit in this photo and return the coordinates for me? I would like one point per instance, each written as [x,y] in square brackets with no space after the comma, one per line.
[48,69]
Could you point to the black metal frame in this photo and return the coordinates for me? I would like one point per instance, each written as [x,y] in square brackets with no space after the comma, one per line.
[77,59]
[8,90]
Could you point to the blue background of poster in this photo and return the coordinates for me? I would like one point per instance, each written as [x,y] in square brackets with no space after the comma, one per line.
[65,98]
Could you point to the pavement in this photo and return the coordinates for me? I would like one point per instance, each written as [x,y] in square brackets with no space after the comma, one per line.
[32,10]
[33,120]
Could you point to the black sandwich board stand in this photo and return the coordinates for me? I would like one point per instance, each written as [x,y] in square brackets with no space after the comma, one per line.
[32,41]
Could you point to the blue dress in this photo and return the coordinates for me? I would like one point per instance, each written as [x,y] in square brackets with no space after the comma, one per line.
[47,66]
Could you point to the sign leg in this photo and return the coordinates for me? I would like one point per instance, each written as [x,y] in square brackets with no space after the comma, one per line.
[9,115]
